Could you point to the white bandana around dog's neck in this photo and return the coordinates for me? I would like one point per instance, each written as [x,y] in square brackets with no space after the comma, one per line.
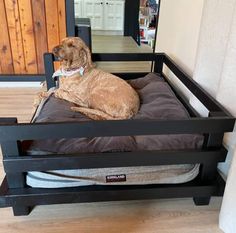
[61,72]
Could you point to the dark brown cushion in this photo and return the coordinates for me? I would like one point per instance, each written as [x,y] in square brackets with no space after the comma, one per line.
[157,102]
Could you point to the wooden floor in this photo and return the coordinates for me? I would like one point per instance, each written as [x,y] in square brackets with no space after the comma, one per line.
[17,102]
[117,44]
[159,216]
[156,216]
[120,44]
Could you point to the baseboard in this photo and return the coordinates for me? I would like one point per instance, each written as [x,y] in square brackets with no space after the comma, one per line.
[20,84]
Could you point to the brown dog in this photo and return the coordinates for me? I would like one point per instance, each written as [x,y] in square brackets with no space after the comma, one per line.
[98,94]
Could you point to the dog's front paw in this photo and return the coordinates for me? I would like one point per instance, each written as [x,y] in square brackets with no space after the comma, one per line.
[38,98]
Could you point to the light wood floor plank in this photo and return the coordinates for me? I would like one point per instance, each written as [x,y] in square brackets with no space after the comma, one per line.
[17,102]
[117,44]
[155,216]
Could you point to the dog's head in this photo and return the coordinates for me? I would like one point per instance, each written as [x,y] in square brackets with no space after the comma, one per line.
[73,53]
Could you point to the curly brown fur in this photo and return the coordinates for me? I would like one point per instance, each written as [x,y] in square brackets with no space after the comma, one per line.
[98,94]
[38,98]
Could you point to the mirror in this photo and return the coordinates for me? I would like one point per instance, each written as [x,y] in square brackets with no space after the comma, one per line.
[120,26]
[148,19]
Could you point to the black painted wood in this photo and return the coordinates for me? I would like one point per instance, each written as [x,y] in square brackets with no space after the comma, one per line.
[49,70]
[70,18]
[131,20]
[208,170]
[200,201]
[10,148]
[128,76]
[157,25]
[158,66]
[221,185]
[3,190]
[21,210]
[106,57]
[114,128]
[22,78]
[214,141]
[9,120]
[15,179]
[206,99]
[37,196]
[125,57]
[115,159]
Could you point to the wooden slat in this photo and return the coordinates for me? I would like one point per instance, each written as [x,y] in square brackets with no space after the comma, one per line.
[14,27]
[35,27]
[5,47]
[39,18]
[112,159]
[53,29]
[52,23]
[25,10]
[62,19]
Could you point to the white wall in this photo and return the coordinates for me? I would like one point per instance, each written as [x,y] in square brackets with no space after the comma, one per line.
[215,68]
[178,32]
[195,34]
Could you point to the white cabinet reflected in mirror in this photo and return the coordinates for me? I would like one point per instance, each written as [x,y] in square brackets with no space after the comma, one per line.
[107,16]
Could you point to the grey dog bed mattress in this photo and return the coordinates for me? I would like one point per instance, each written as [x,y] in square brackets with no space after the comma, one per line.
[158,102]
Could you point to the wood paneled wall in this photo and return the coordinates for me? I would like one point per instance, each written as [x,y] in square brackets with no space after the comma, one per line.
[29,28]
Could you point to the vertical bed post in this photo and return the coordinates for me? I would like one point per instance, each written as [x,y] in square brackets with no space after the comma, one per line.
[49,70]
[14,179]
[209,169]
[131,24]
[70,18]
[159,61]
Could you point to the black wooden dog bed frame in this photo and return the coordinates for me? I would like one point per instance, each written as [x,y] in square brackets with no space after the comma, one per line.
[16,194]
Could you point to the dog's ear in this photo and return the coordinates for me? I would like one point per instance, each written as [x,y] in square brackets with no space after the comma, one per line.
[88,58]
